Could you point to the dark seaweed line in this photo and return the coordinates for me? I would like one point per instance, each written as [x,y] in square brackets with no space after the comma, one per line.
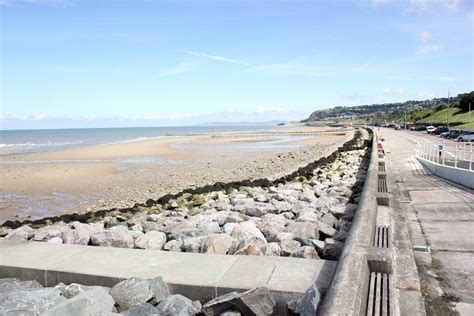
[306,172]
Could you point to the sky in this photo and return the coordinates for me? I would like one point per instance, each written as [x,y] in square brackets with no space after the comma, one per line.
[103,63]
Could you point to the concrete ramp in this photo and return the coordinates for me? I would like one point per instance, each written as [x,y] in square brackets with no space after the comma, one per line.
[197,276]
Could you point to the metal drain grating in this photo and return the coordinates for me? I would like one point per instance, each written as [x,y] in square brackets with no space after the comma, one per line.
[378,301]
[382,166]
[381,239]
[383,185]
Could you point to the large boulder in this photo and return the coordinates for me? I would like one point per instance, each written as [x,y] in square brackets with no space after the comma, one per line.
[142,309]
[249,250]
[85,303]
[78,234]
[258,301]
[133,291]
[220,244]
[29,301]
[117,236]
[21,233]
[151,240]
[310,301]
[247,233]
[304,229]
[12,284]
[332,249]
[178,305]
[289,246]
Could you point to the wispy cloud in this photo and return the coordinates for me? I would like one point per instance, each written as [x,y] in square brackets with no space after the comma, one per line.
[180,68]
[443,78]
[427,46]
[218,58]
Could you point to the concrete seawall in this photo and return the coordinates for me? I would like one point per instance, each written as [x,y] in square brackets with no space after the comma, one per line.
[461,176]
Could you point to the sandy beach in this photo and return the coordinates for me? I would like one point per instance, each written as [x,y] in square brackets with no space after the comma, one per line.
[120,175]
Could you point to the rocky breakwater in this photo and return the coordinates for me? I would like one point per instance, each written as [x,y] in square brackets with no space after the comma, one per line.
[131,297]
[307,216]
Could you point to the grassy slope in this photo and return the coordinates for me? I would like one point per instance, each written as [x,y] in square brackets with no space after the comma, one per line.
[457,119]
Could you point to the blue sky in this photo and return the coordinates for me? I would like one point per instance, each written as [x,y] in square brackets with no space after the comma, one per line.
[71,63]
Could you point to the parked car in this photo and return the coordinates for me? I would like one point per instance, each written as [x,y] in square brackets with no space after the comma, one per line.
[456,134]
[468,137]
[440,130]
[397,127]
[430,129]
[445,134]
[413,128]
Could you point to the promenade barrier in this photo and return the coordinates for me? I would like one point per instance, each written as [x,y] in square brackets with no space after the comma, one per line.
[456,166]
[362,282]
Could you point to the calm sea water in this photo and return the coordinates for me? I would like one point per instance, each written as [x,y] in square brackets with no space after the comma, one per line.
[21,141]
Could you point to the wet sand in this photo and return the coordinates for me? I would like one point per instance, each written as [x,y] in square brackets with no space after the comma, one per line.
[120,175]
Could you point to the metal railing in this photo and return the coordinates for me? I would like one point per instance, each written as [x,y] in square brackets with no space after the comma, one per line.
[461,156]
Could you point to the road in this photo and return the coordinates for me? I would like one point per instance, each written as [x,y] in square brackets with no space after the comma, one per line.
[440,214]
[454,153]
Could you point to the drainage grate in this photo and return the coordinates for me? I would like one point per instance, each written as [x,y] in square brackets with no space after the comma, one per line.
[381,239]
[383,185]
[378,301]
[382,166]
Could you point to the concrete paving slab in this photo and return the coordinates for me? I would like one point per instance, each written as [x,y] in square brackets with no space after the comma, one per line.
[458,272]
[247,271]
[436,196]
[445,212]
[454,236]
[298,275]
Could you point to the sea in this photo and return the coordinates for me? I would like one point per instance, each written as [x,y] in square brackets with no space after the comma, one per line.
[25,141]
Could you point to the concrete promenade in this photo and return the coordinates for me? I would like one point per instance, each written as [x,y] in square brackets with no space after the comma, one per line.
[197,276]
[440,216]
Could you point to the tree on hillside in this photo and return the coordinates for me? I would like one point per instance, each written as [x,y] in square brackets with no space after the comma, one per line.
[465,99]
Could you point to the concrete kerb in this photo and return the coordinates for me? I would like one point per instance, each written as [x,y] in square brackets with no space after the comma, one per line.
[347,294]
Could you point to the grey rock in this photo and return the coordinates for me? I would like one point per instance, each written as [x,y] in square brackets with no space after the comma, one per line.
[330,220]
[307,216]
[173,245]
[12,284]
[230,313]
[117,236]
[273,249]
[289,247]
[281,206]
[325,230]
[74,289]
[306,252]
[29,301]
[85,303]
[56,240]
[258,301]
[249,250]
[142,309]
[247,233]
[79,234]
[151,240]
[220,244]
[133,291]
[179,305]
[310,301]
[304,229]
[4,231]
[332,249]
[21,233]
[271,230]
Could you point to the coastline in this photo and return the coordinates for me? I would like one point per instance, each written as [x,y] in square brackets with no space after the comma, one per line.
[121,175]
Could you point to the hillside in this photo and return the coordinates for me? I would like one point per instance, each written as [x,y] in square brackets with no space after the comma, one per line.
[433,112]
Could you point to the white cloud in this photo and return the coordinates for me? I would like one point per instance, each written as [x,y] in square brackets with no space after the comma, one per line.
[218,58]
[427,46]
[425,94]
[392,91]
